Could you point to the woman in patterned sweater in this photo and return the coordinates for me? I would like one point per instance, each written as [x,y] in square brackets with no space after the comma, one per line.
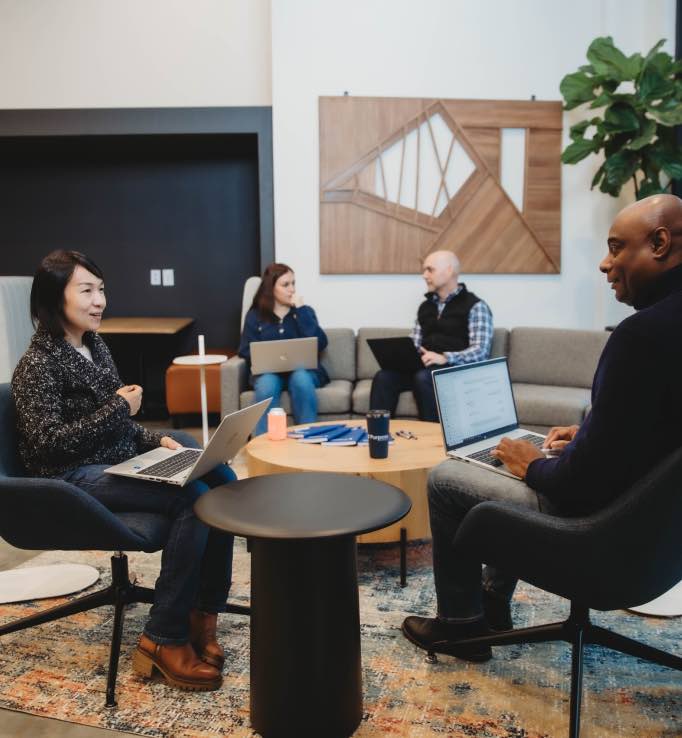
[75,420]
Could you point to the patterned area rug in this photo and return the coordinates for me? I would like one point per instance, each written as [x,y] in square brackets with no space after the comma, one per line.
[58,670]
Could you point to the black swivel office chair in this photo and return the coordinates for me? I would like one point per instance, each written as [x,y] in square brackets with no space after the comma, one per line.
[623,556]
[47,514]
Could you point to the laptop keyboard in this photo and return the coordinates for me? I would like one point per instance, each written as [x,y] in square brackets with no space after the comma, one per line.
[485,457]
[173,464]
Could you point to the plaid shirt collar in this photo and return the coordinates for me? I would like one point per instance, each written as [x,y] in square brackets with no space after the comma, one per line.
[433,296]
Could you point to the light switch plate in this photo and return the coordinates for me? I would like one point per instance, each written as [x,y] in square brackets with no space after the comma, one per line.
[168,277]
[155,277]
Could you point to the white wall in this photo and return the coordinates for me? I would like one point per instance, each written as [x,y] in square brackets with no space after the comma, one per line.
[134,53]
[455,49]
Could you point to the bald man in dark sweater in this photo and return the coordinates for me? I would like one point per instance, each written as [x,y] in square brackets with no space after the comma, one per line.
[633,425]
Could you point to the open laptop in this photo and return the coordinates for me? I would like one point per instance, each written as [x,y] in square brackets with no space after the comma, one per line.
[184,465]
[283,356]
[397,354]
[476,409]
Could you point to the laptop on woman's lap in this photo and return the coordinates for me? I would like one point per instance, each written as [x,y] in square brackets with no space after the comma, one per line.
[184,465]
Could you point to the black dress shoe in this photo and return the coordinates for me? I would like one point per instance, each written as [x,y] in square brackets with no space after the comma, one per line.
[438,636]
[497,612]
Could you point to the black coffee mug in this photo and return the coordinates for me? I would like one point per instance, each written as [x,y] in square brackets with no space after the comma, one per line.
[377,433]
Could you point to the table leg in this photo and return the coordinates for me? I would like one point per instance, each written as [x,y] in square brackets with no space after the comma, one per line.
[403,557]
[306,677]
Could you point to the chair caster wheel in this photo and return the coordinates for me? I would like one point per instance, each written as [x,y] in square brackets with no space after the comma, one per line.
[431,658]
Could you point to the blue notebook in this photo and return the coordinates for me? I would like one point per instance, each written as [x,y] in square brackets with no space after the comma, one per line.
[339,430]
[349,438]
[310,431]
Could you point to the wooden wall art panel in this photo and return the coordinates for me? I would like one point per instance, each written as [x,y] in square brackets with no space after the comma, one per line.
[400,178]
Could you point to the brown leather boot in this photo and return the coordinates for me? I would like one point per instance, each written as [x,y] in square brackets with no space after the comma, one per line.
[179,665]
[202,635]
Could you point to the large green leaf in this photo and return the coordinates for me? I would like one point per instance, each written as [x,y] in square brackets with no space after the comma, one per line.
[609,188]
[620,117]
[578,150]
[661,62]
[671,163]
[668,118]
[597,177]
[576,89]
[647,132]
[577,131]
[649,164]
[620,167]
[604,98]
[649,187]
[653,50]
[654,86]
[609,61]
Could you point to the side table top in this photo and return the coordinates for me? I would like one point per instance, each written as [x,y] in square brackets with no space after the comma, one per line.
[403,455]
[302,506]
[197,360]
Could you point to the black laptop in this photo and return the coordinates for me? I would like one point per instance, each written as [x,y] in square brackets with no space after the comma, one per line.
[397,354]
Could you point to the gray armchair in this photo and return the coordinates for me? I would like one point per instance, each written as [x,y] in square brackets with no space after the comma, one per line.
[623,556]
[45,514]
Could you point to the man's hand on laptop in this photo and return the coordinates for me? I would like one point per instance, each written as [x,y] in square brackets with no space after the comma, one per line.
[171,443]
[559,437]
[517,455]
[430,358]
[132,394]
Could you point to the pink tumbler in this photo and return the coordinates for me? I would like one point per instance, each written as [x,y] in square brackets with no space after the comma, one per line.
[277,424]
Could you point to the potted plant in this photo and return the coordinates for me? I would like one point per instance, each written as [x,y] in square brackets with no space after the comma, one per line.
[642,102]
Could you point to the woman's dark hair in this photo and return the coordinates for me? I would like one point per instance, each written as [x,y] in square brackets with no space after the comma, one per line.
[49,283]
[264,299]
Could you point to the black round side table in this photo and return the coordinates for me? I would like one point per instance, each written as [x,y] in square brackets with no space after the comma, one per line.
[306,677]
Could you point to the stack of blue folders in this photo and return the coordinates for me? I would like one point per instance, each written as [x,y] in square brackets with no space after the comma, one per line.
[332,435]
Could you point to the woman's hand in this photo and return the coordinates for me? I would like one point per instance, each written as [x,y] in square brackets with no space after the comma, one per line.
[171,443]
[297,301]
[132,394]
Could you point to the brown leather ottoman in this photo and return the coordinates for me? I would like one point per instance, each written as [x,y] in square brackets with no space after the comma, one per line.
[182,387]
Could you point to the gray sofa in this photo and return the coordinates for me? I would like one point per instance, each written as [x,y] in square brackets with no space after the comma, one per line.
[551,371]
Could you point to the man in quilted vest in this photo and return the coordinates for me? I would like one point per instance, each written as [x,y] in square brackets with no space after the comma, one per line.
[453,326]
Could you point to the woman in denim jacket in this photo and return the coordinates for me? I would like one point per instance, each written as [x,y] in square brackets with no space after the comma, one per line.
[277,312]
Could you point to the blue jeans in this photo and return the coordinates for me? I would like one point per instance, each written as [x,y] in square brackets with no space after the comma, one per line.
[454,487]
[196,563]
[301,385]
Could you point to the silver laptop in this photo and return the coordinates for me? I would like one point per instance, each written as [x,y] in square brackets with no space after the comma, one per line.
[283,356]
[184,465]
[476,409]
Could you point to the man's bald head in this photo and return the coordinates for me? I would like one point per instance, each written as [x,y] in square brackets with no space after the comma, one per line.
[441,272]
[645,240]
[657,211]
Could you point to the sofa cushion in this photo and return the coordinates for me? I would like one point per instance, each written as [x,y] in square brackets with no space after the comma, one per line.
[339,356]
[407,407]
[367,364]
[555,356]
[500,345]
[334,397]
[544,405]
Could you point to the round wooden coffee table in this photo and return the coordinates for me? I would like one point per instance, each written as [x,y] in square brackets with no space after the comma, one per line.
[407,467]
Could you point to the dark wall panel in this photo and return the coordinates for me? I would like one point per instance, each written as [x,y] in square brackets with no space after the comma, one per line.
[137,202]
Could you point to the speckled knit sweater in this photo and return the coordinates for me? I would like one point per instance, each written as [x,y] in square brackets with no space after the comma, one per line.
[68,412]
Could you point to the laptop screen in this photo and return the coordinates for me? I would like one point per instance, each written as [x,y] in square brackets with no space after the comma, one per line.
[475,402]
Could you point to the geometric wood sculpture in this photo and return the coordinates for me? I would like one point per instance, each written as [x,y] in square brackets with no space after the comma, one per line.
[381,213]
